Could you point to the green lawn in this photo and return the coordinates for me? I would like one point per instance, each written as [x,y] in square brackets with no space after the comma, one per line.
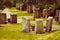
[13,31]
[20,13]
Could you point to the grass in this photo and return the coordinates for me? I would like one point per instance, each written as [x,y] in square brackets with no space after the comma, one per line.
[19,12]
[13,31]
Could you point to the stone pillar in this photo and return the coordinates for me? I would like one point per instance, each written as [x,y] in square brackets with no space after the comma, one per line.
[46,13]
[37,13]
[56,18]
[57,12]
[30,9]
[25,24]
[13,19]
[39,26]
[59,17]
[49,24]
[24,6]
[8,20]
[3,19]
[33,8]
[18,6]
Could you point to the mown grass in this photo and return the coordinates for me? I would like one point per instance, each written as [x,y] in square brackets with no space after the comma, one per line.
[20,13]
[13,32]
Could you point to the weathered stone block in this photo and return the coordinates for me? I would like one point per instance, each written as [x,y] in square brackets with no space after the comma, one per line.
[39,26]
[25,24]
[37,13]
[49,24]
[3,19]
[30,9]
[46,13]
[13,19]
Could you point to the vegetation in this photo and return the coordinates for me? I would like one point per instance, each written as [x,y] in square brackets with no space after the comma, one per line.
[13,31]
[39,3]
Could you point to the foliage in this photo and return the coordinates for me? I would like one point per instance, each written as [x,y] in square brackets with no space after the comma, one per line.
[39,3]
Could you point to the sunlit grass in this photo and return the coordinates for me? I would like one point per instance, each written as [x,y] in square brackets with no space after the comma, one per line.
[13,31]
[19,12]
